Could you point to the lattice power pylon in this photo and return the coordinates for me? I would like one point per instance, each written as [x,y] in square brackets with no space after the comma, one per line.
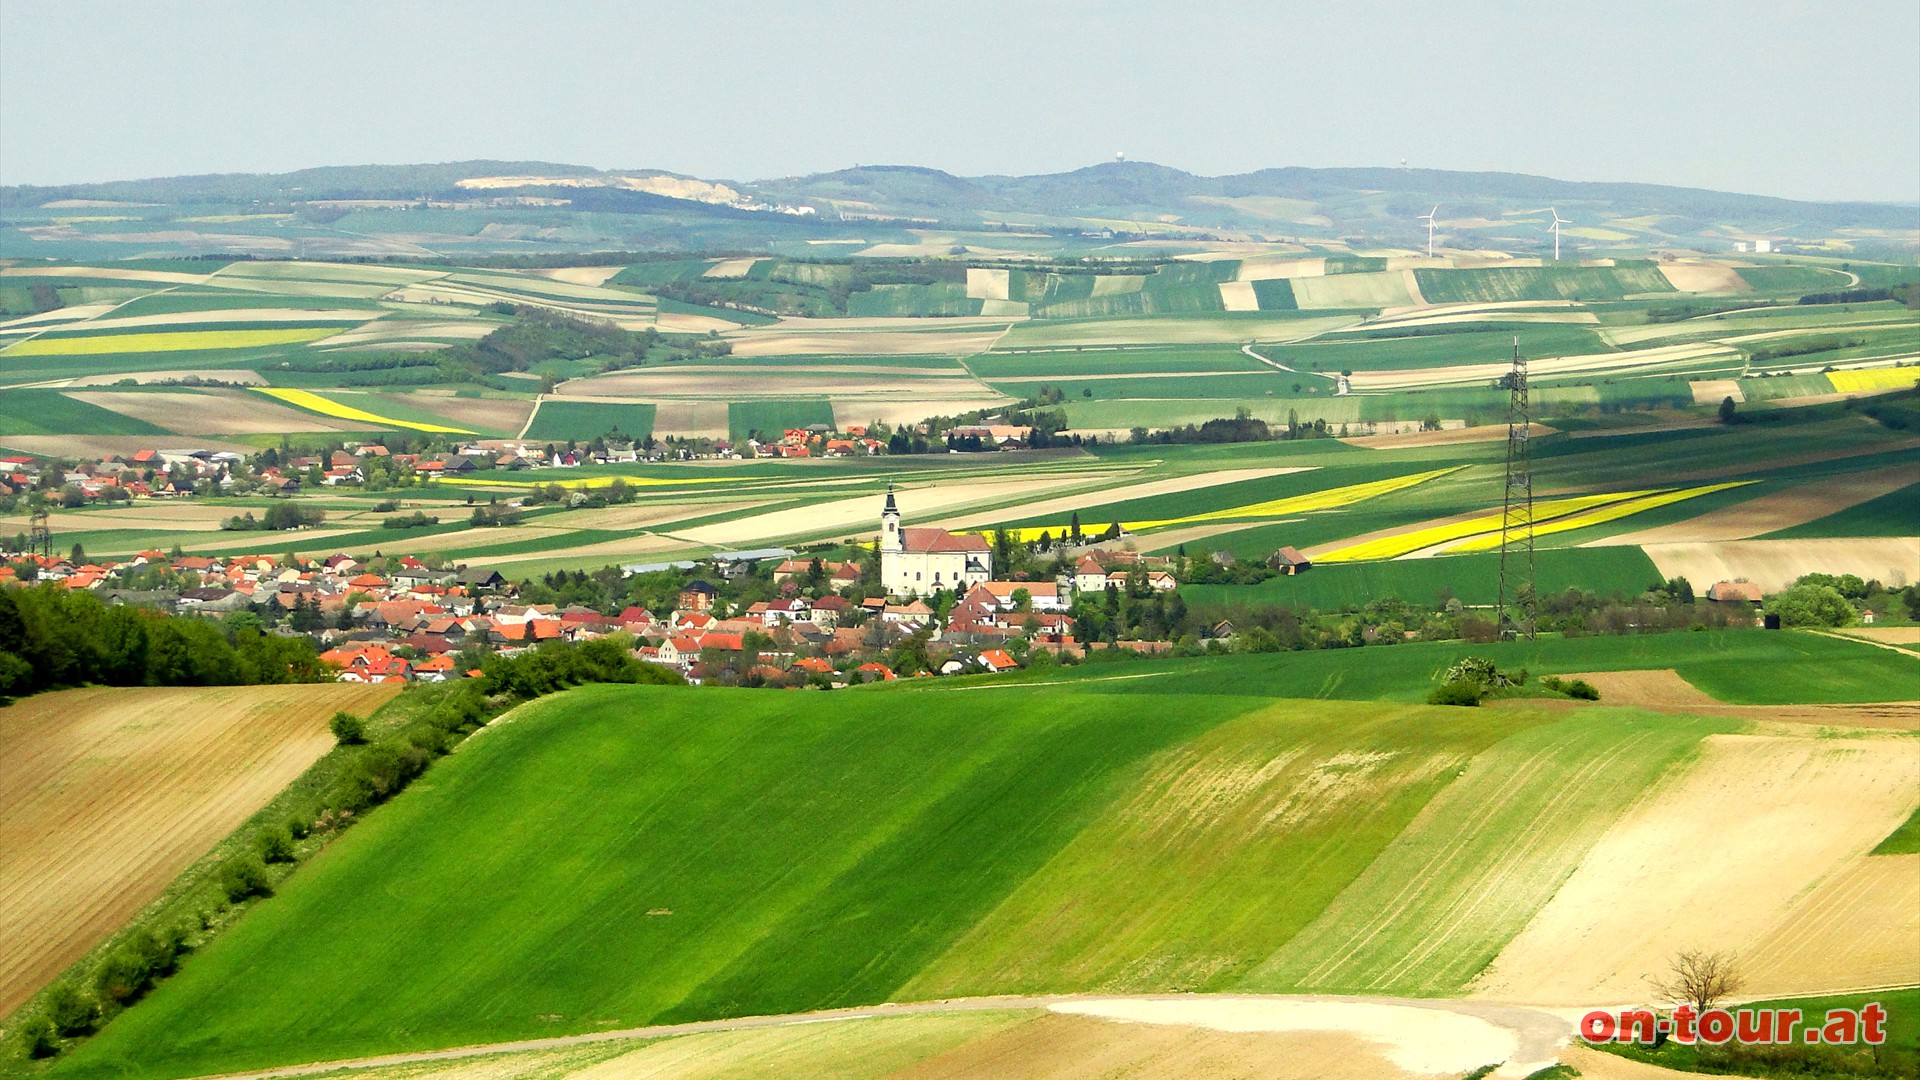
[1515,613]
[39,536]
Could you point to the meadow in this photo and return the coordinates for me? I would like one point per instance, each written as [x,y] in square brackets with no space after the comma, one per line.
[584,421]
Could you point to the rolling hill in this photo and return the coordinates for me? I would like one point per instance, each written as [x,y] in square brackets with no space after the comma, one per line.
[715,853]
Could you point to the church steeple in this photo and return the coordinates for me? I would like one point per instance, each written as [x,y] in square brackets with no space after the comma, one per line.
[890,538]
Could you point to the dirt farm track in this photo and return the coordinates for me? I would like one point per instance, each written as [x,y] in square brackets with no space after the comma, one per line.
[107,794]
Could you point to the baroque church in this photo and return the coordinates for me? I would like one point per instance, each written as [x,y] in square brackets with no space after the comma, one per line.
[920,562]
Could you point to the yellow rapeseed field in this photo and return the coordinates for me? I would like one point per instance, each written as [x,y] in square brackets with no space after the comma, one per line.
[326,407]
[168,341]
[1390,547]
[1851,382]
[1603,514]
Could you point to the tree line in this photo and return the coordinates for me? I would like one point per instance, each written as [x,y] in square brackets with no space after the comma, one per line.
[52,637]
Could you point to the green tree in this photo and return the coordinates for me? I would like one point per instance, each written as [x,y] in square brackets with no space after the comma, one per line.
[348,729]
[1729,411]
[1812,605]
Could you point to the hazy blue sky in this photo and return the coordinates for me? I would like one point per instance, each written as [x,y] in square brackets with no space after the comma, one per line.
[1806,100]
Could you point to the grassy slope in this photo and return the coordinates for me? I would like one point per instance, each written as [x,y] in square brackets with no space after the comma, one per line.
[808,860]
[1483,857]
[1225,847]
[712,853]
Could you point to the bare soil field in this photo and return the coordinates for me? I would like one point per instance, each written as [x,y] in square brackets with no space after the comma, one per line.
[484,414]
[1599,1065]
[1775,564]
[581,275]
[107,794]
[730,268]
[985,284]
[1264,269]
[214,412]
[1889,635]
[1665,691]
[114,273]
[861,516]
[1703,277]
[773,341]
[89,446]
[637,544]
[1858,928]
[1443,437]
[1715,856]
[686,322]
[227,375]
[907,408]
[1774,511]
[1238,296]
[1412,1040]
[695,419]
[1714,391]
[738,384]
[182,515]
[1558,365]
[236,315]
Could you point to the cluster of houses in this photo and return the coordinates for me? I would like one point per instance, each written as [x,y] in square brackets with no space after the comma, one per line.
[140,474]
[813,440]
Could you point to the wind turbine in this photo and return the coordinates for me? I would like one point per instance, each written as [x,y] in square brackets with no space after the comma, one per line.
[1557,222]
[1428,218]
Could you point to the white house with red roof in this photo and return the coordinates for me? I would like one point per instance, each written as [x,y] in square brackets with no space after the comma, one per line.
[921,562]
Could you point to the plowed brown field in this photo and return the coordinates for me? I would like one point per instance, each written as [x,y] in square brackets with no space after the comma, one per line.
[107,794]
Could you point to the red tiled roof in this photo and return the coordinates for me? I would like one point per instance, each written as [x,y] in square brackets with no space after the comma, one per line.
[920,541]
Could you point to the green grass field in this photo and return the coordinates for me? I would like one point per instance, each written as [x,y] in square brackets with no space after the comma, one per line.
[1474,579]
[1493,344]
[1792,280]
[770,418]
[49,412]
[585,421]
[1055,363]
[1541,283]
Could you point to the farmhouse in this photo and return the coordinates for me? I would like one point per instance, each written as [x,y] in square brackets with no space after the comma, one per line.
[920,562]
[1734,591]
[1288,560]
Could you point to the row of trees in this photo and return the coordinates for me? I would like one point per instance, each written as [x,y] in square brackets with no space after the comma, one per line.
[52,637]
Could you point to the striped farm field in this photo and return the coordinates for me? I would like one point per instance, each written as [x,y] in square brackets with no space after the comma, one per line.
[1403,542]
[175,341]
[107,793]
[1482,858]
[312,402]
[1602,515]
[1852,382]
[1481,532]
[1310,502]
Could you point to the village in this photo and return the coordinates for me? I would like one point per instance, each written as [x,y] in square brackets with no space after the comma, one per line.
[921,602]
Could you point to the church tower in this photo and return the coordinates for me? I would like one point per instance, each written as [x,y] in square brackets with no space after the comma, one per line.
[891,542]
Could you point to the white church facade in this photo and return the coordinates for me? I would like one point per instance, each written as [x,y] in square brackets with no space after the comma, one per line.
[921,562]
